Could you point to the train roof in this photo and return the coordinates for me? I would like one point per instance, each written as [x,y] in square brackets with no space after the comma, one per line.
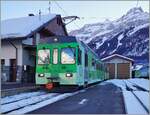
[58,39]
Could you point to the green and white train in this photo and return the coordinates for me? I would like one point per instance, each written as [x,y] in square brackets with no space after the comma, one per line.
[67,61]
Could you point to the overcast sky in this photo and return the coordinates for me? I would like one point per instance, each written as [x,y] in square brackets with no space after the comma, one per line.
[88,11]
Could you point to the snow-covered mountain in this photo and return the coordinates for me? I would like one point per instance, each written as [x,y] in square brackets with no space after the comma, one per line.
[128,35]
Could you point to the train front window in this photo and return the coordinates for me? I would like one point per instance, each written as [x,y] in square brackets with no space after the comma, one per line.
[68,55]
[55,56]
[44,56]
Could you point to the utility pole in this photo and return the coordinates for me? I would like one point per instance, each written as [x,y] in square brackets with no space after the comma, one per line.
[39,14]
[137,3]
[49,8]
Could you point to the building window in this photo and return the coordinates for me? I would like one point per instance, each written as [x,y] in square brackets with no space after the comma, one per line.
[93,62]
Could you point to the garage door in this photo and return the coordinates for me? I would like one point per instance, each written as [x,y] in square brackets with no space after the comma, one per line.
[123,70]
[111,69]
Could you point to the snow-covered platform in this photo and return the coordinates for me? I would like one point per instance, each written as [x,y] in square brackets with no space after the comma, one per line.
[135,93]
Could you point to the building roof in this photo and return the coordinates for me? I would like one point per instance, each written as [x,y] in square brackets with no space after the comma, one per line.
[116,55]
[22,27]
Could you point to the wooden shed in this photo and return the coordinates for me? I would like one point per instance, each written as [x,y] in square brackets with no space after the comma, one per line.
[119,66]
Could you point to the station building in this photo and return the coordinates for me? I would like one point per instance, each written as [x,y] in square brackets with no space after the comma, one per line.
[19,38]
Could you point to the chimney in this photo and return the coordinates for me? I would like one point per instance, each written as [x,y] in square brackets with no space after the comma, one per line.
[31,14]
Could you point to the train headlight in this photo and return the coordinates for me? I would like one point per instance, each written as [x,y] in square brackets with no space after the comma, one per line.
[41,75]
[69,75]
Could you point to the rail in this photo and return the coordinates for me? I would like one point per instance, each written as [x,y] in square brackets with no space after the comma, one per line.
[137,98]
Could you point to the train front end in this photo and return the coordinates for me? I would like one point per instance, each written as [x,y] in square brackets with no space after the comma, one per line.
[56,61]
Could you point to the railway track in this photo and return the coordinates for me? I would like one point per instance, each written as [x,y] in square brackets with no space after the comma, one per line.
[133,89]
[23,102]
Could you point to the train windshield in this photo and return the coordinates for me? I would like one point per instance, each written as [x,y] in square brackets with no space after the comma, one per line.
[44,56]
[68,55]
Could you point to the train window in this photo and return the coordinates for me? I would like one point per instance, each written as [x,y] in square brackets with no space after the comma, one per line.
[55,56]
[93,62]
[86,60]
[68,55]
[97,66]
[44,56]
[79,56]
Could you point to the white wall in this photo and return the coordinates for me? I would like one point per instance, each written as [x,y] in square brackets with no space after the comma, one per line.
[9,52]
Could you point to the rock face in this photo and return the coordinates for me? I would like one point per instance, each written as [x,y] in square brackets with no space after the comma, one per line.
[128,35]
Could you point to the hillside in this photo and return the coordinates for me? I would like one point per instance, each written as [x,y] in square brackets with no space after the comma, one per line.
[128,35]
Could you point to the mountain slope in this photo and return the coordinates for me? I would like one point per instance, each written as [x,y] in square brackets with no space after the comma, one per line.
[128,35]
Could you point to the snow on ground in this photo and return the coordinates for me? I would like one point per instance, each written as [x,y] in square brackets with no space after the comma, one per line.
[42,104]
[119,39]
[132,105]
[18,97]
[26,102]
[144,97]
[139,27]
[144,83]
[83,101]
[118,83]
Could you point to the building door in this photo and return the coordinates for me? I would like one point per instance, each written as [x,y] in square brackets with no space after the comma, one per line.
[111,69]
[13,69]
[123,70]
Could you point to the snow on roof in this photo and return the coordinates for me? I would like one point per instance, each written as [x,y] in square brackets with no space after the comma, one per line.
[117,55]
[21,27]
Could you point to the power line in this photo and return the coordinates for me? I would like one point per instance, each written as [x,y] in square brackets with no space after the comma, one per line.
[61,8]
[65,12]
